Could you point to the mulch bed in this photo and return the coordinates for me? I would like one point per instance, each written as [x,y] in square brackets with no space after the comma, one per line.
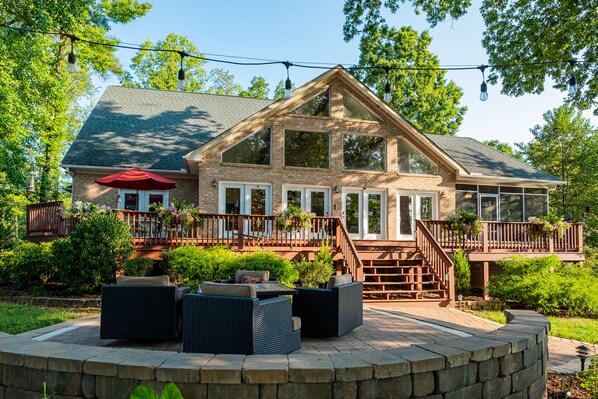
[559,383]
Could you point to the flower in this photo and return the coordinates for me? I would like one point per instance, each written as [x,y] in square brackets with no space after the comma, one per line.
[464,223]
[295,217]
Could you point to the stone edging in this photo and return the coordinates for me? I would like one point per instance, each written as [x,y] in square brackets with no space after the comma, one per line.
[508,362]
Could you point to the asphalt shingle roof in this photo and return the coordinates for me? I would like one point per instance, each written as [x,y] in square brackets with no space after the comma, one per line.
[479,159]
[154,129]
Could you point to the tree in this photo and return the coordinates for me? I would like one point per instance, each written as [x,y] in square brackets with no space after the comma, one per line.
[223,83]
[39,98]
[159,69]
[545,33]
[424,98]
[504,148]
[258,88]
[566,146]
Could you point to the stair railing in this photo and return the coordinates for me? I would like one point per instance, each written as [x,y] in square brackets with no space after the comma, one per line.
[347,248]
[440,263]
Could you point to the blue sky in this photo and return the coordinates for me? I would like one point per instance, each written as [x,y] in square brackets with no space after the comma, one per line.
[311,30]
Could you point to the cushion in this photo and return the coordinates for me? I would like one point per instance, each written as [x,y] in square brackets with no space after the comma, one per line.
[296,323]
[262,275]
[238,290]
[335,281]
[153,281]
[250,280]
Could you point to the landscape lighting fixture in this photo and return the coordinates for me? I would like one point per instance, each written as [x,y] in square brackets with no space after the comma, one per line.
[181,82]
[582,353]
[72,59]
[288,86]
[483,86]
[572,80]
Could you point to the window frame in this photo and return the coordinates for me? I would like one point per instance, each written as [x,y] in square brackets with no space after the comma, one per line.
[384,170]
[284,149]
[420,153]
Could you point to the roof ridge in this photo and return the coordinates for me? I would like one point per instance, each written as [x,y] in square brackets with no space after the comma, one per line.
[186,92]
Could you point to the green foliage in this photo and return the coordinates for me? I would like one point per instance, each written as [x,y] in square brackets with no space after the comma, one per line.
[190,266]
[258,88]
[462,273]
[29,264]
[294,217]
[589,378]
[170,392]
[505,148]
[547,284]
[138,267]
[566,146]
[543,225]
[280,89]
[311,274]
[279,268]
[223,83]
[425,98]
[99,246]
[464,223]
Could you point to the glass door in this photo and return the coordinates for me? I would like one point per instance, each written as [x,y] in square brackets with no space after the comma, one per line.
[352,208]
[489,207]
[373,215]
[412,206]
[364,213]
[313,199]
[257,203]
[246,199]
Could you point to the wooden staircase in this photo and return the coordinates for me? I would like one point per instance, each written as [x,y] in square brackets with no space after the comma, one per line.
[395,272]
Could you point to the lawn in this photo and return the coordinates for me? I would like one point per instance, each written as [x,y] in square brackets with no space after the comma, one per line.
[15,318]
[576,328]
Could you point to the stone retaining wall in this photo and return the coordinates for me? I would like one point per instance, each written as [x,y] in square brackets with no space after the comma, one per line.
[507,363]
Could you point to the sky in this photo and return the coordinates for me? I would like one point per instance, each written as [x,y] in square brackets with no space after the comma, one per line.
[311,31]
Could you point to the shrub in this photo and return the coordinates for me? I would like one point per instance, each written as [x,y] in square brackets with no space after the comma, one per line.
[170,392]
[189,265]
[311,274]
[138,267]
[279,268]
[547,284]
[464,223]
[462,273]
[99,246]
[589,378]
[29,265]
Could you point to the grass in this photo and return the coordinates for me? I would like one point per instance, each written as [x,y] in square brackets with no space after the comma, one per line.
[576,328]
[16,319]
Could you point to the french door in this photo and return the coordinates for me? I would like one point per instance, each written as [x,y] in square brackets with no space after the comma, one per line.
[246,199]
[364,213]
[412,206]
[139,200]
[313,199]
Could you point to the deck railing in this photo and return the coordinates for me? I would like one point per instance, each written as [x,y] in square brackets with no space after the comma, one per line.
[508,237]
[435,258]
[47,219]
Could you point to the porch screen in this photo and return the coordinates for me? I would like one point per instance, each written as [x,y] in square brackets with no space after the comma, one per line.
[364,152]
[412,161]
[307,149]
[255,149]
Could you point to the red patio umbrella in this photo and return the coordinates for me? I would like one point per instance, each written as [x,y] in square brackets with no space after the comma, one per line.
[136,179]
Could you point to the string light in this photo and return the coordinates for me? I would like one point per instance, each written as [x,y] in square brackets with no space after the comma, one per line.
[483,86]
[71,59]
[387,94]
[288,86]
[181,82]
[572,80]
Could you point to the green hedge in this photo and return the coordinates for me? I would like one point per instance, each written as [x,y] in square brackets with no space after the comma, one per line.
[547,284]
[29,265]
[462,273]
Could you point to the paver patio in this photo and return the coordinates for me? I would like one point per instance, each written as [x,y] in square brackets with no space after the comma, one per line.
[384,327]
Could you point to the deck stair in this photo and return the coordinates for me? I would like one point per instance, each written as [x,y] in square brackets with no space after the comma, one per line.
[395,272]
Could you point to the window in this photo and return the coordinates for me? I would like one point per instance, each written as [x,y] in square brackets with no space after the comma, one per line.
[511,207]
[535,205]
[317,106]
[254,149]
[307,149]
[412,161]
[354,110]
[467,201]
[364,152]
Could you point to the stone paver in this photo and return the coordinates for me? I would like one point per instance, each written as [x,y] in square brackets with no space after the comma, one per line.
[382,329]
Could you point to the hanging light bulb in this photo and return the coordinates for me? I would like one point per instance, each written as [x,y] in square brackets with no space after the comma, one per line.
[387,94]
[181,82]
[288,86]
[572,80]
[483,86]
[71,66]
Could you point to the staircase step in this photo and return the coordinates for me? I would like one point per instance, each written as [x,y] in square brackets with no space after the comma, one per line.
[384,283]
[397,274]
[429,302]
[427,291]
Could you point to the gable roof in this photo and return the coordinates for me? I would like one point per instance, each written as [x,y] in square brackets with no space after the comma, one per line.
[480,160]
[154,129]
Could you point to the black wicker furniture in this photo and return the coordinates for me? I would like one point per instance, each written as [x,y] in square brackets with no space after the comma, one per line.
[141,313]
[329,312]
[239,325]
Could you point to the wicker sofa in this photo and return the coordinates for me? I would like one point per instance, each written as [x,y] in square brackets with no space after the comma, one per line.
[332,311]
[230,322]
[142,309]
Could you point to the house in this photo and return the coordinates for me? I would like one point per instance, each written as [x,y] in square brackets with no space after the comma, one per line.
[333,148]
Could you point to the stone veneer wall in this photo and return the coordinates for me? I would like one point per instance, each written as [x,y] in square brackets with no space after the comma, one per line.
[507,363]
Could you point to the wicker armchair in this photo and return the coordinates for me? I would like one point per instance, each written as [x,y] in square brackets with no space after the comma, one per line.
[226,324]
[329,312]
[141,313]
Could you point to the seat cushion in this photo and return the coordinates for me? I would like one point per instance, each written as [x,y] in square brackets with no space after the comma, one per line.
[335,281]
[262,275]
[238,290]
[296,323]
[153,281]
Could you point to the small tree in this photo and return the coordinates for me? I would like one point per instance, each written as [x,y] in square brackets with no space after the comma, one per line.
[318,271]
[462,273]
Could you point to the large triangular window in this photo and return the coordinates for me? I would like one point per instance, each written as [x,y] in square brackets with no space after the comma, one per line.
[316,106]
[413,161]
[254,149]
[352,109]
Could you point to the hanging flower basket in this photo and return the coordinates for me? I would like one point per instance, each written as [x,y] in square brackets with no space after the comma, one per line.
[545,225]
[464,224]
[294,218]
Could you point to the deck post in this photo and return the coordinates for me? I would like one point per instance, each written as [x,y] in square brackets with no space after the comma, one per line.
[485,238]
[580,237]
[486,278]
[241,233]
